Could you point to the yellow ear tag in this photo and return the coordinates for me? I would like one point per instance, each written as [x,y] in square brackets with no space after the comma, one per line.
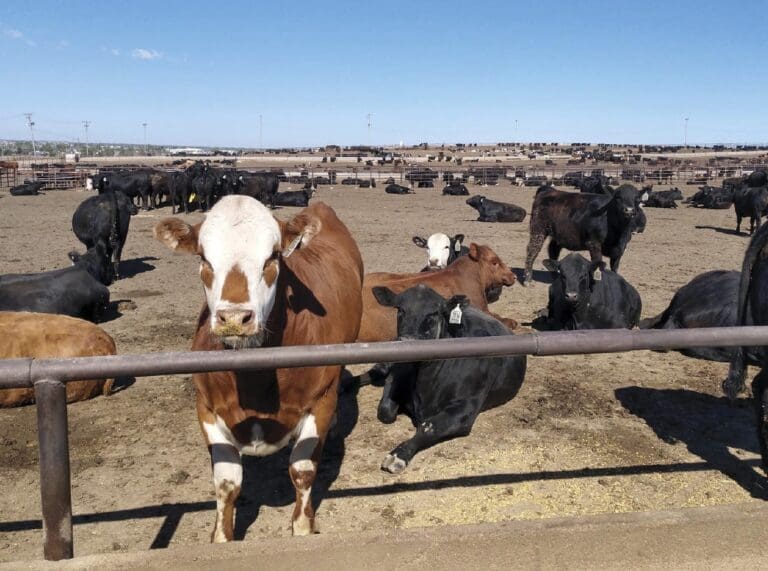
[192,197]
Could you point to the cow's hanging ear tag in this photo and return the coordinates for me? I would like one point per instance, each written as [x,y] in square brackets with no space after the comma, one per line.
[457,246]
[455,318]
[292,246]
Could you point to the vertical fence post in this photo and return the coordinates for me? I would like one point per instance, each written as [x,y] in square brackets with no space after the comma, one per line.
[55,490]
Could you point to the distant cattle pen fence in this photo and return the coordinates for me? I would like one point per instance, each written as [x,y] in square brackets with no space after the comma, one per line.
[48,377]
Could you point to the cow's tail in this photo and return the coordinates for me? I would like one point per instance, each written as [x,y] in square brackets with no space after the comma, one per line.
[114,230]
[734,382]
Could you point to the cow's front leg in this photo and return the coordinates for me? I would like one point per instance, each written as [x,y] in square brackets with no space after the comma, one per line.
[596,255]
[227,481]
[455,420]
[304,459]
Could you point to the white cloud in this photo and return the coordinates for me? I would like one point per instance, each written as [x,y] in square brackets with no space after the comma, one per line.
[141,53]
[13,34]
[114,52]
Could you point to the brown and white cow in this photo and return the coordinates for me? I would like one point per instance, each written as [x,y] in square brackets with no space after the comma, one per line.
[473,275]
[269,283]
[48,336]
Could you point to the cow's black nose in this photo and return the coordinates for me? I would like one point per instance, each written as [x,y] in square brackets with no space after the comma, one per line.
[572,297]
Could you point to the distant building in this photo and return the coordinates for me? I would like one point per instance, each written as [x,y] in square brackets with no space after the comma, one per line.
[188,151]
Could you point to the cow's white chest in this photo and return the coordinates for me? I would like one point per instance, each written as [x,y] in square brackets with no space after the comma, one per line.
[219,433]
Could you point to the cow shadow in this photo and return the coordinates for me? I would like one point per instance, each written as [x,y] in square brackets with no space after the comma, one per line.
[719,230]
[266,481]
[709,426]
[540,276]
[136,266]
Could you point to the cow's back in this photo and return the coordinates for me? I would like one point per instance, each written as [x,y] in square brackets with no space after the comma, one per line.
[330,266]
[45,336]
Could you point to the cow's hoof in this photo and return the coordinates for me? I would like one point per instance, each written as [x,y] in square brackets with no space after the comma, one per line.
[303,526]
[393,464]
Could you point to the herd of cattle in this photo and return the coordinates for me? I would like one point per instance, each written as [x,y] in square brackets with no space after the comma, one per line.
[302,282]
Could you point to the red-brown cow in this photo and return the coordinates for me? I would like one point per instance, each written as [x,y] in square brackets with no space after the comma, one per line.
[472,275]
[262,293]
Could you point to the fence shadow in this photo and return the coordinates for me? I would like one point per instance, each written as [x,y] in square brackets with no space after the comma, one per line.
[706,424]
[728,231]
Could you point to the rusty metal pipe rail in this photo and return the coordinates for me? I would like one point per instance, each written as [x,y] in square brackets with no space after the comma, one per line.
[48,377]
[24,372]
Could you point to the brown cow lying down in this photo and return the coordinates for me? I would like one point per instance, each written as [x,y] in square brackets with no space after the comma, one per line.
[269,283]
[471,275]
[44,336]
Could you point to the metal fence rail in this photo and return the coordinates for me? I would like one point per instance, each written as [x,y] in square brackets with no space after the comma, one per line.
[48,377]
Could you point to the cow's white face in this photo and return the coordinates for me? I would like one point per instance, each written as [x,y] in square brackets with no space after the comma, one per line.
[438,251]
[239,247]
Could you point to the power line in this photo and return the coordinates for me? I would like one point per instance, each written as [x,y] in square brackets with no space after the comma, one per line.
[86,123]
[31,124]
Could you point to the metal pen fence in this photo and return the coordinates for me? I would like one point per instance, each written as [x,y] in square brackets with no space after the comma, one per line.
[48,378]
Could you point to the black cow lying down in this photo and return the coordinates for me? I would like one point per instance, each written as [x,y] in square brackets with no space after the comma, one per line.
[442,398]
[578,301]
[492,211]
[28,188]
[397,189]
[456,189]
[77,291]
[711,197]
[708,300]
[663,198]
[294,197]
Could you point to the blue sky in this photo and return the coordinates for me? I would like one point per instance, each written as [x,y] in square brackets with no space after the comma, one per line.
[201,73]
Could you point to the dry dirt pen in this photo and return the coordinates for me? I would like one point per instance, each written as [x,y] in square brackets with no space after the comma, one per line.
[587,434]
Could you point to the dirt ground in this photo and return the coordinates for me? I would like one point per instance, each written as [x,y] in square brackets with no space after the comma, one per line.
[586,435]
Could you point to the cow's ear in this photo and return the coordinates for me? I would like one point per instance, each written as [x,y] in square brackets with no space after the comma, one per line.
[419,241]
[384,296]
[552,265]
[459,238]
[177,235]
[461,300]
[299,230]
[474,252]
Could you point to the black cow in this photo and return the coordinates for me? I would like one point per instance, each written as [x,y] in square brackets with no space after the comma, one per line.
[104,219]
[752,202]
[294,197]
[397,189]
[136,185]
[578,301]
[602,224]
[78,291]
[753,302]
[708,300]
[493,211]
[442,250]
[595,185]
[711,197]
[757,179]
[28,188]
[456,189]
[368,183]
[663,198]
[442,398]
[261,186]
[179,191]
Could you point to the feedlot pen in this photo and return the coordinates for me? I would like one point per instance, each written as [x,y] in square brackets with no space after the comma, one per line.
[587,434]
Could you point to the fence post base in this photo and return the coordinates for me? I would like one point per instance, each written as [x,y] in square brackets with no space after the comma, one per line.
[55,489]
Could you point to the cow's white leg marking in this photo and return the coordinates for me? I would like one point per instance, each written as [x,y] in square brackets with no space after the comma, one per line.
[303,470]
[227,479]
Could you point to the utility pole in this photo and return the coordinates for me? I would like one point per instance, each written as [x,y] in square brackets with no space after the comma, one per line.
[86,124]
[31,124]
[516,141]
[261,143]
[145,138]
[369,129]
[686,132]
